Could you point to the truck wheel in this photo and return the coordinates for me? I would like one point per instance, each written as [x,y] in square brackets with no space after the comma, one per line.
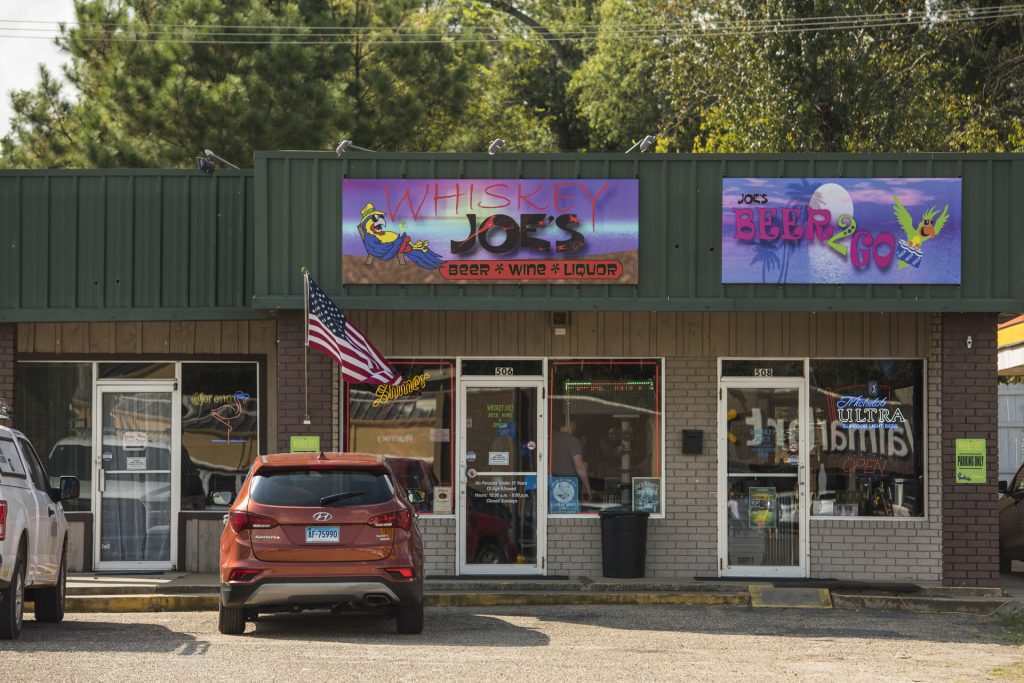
[410,618]
[12,603]
[231,620]
[50,600]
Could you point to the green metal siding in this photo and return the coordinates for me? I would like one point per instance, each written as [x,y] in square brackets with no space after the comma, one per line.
[298,209]
[126,244]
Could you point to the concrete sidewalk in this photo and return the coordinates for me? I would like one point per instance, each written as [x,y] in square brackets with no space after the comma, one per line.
[182,591]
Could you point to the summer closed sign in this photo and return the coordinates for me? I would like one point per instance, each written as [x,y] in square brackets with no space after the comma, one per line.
[490,231]
[841,230]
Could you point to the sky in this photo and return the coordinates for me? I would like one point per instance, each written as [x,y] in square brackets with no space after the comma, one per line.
[20,57]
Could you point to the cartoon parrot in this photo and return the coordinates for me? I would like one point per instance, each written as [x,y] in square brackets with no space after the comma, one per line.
[928,227]
[385,244]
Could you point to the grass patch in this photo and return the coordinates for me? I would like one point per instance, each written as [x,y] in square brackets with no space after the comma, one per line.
[1013,624]
[1013,672]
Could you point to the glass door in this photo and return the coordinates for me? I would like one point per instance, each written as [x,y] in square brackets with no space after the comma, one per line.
[136,455]
[762,459]
[501,451]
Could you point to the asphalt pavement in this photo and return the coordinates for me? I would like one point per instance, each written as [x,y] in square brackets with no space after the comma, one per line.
[530,643]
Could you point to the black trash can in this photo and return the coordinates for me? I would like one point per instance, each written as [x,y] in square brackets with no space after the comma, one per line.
[623,543]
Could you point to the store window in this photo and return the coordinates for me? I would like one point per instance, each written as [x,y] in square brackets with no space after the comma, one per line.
[411,424]
[220,422]
[867,441]
[53,408]
[605,436]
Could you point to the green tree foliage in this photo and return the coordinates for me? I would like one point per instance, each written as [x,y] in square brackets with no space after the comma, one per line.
[523,72]
[143,99]
[546,75]
[617,86]
[759,86]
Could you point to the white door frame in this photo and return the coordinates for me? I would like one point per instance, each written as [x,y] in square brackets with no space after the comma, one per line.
[725,383]
[169,386]
[462,567]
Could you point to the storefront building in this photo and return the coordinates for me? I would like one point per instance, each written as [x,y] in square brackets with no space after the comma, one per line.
[788,362]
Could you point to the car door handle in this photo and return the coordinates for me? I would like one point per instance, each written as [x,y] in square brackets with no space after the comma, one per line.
[52,512]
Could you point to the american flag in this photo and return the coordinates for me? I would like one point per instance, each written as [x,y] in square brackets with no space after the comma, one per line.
[327,329]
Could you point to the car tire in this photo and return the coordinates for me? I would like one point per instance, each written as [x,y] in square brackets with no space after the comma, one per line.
[12,603]
[231,620]
[50,600]
[410,618]
[489,553]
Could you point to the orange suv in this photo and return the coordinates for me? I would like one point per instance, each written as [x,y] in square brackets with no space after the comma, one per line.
[321,531]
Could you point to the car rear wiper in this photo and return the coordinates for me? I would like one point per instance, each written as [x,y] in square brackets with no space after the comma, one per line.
[335,497]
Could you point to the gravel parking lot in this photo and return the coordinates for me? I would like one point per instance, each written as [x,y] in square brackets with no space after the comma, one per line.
[600,643]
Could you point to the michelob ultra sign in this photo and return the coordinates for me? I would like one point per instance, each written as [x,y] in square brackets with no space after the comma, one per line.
[892,231]
[490,231]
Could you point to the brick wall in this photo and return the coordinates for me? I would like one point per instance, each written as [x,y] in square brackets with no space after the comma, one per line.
[290,386]
[441,555]
[887,549]
[970,536]
[685,542]
[8,338]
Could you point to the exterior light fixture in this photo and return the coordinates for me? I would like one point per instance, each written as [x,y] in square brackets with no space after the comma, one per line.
[346,145]
[206,165]
[496,146]
[644,145]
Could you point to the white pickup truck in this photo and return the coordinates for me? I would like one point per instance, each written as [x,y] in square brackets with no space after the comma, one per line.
[33,534]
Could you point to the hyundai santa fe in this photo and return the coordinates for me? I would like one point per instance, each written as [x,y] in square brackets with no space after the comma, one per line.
[321,531]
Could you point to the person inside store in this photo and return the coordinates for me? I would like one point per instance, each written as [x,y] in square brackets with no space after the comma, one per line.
[567,453]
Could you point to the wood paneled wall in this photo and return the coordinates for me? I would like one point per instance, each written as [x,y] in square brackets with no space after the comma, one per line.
[174,339]
[530,333]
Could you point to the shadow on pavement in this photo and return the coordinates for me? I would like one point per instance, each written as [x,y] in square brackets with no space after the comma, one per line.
[99,636]
[782,623]
[469,630]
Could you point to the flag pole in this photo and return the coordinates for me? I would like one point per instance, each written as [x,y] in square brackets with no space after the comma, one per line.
[305,347]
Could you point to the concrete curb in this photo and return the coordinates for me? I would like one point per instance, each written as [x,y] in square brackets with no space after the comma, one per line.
[981,606]
[600,598]
[141,603]
[201,602]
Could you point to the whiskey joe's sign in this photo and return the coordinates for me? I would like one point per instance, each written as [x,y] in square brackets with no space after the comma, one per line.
[490,231]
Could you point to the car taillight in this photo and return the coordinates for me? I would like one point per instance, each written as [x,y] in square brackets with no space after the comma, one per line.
[402,572]
[3,519]
[242,574]
[401,519]
[239,519]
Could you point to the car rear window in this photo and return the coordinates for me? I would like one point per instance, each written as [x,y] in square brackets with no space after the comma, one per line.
[307,487]
[10,461]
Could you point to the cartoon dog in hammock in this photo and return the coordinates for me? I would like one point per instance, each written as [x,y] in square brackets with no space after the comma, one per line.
[385,245]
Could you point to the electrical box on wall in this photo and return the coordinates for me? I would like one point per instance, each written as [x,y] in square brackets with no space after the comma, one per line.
[693,441]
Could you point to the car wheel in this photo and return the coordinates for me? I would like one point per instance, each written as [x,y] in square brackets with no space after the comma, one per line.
[490,554]
[231,620]
[410,618]
[12,603]
[50,600]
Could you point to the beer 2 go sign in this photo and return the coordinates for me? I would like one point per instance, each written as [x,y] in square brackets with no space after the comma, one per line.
[841,230]
[490,231]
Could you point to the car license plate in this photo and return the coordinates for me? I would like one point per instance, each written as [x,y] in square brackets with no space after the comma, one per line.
[323,534]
